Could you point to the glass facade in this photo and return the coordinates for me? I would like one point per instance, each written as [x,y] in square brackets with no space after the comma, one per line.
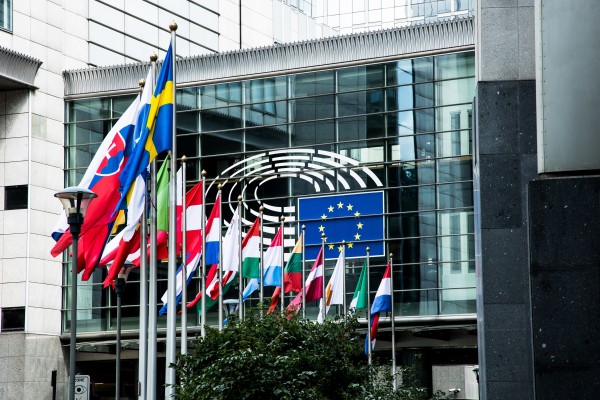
[402,128]
[350,16]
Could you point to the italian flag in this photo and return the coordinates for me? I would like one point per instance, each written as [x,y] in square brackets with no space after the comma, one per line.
[359,300]
[251,252]
[293,269]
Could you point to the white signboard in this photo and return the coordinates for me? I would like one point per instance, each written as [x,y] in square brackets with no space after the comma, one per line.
[82,387]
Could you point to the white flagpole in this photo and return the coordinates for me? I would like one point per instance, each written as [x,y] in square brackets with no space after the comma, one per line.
[282,297]
[172,269]
[152,296]
[394,381]
[343,255]
[324,310]
[303,272]
[370,350]
[143,333]
[241,267]
[262,267]
[220,264]
[203,257]
[184,349]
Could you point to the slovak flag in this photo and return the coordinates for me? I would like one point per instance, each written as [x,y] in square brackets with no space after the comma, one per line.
[103,177]
[213,231]
[381,303]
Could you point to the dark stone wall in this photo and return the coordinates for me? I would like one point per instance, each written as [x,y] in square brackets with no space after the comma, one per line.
[564,241]
[505,163]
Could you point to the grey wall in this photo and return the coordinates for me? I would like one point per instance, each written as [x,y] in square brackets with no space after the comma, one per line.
[505,163]
[567,69]
[564,235]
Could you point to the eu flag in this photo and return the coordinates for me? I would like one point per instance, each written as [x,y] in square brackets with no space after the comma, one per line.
[356,218]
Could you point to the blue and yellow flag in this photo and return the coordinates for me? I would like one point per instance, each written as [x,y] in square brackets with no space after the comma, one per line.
[154,130]
[356,218]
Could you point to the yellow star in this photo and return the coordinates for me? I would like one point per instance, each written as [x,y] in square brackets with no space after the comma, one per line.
[323,216]
[330,208]
[349,207]
[330,246]
[350,245]
[359,225]
[340,204]
[340,248]
[357,214]
[321,228]
[357,236]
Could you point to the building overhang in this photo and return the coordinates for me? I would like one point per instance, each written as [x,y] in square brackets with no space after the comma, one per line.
[359,48]
[17,71]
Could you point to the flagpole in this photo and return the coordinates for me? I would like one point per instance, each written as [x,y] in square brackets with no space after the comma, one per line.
[152,297]
[324,310]
[172,298]
[184,349]
[343,255]
[368,275]
[282,219]
[262,270]
[203,254]
[220,264]
[241,268]
[143,333]
[394,382]
[303,272]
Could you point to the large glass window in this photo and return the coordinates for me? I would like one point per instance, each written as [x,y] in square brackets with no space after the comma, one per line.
[402,128]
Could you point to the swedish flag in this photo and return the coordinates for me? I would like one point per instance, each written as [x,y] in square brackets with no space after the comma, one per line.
[356,218]
[154,130]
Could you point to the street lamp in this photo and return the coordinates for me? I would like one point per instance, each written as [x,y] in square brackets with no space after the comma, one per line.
[119,289]
[75,201]
[230,306]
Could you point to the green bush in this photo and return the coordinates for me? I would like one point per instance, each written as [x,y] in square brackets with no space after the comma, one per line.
[278,357]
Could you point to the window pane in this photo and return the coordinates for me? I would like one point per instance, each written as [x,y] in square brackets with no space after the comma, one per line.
[15,197]
[13,319]
[311,133]
[6,15]
[410,71]
[89,109]
[359,78]
[454,169]
[312,83]
[455,66]
[371,101]
[219,119]
[455,195]
[221,142]
[455,91]
[268,137]
[310,108]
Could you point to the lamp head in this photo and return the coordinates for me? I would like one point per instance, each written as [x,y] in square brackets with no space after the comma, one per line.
[75,200]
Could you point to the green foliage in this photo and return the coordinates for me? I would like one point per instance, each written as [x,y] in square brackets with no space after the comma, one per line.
[275,357]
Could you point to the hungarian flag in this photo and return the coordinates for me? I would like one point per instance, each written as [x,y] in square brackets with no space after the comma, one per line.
[359,300]
[313,284]
[251,252]
[292,274]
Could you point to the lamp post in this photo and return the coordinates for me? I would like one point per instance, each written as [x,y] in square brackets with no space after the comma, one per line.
[75,201]
[119,289]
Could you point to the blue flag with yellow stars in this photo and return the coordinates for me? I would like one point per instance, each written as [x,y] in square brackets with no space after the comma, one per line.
[356,218]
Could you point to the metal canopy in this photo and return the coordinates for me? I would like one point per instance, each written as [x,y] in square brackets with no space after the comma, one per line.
[17,71]
[436,37]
